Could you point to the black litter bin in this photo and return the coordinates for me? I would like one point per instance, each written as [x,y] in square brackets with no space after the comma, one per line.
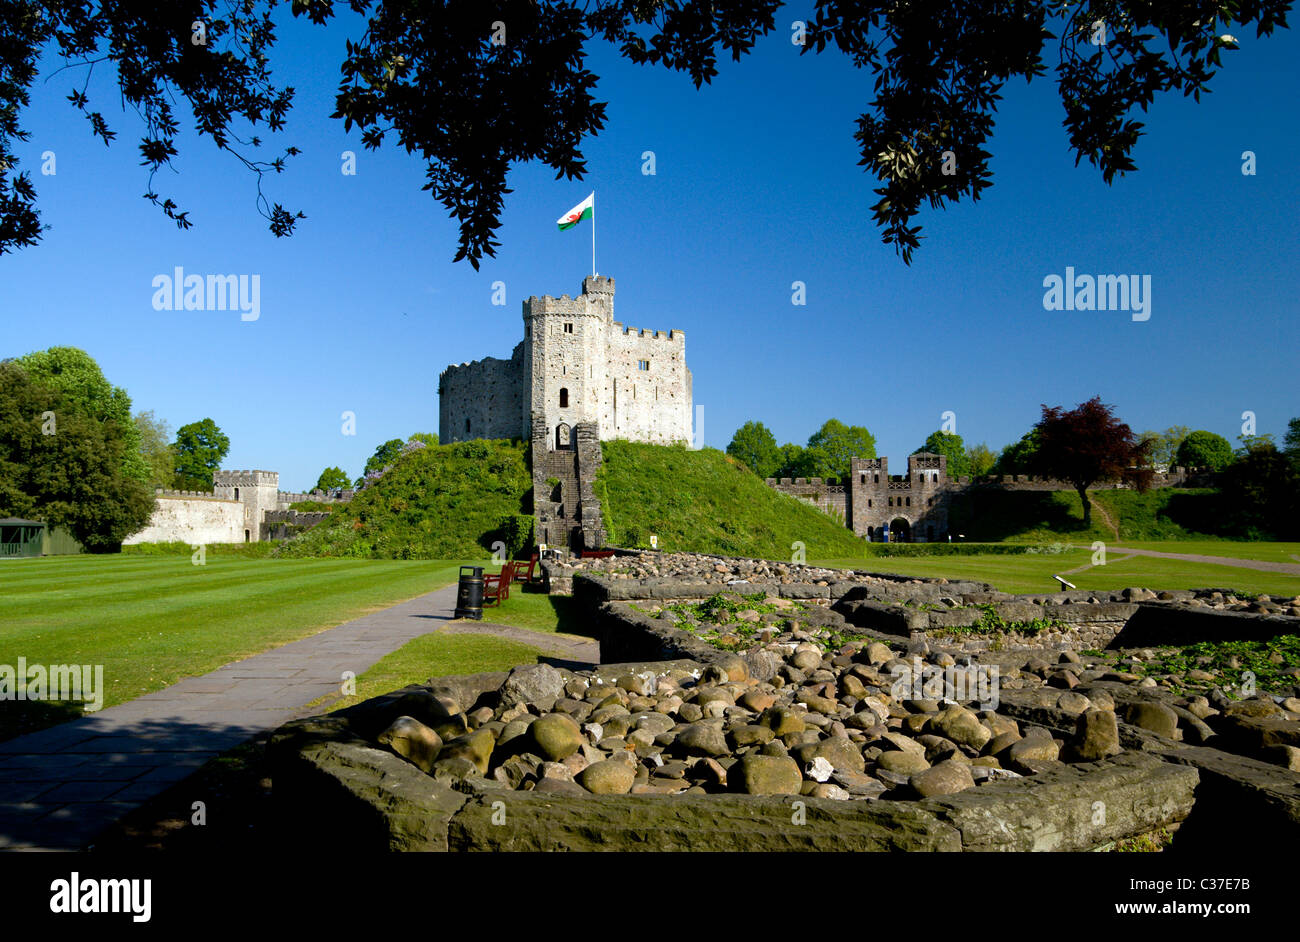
[469,594]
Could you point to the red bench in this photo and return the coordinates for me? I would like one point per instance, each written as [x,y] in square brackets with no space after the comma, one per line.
[496,586]
[525,576]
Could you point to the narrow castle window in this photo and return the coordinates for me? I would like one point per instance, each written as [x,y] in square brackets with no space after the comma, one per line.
[564,399]
[467,426]
[236,493]
[868,501]
[643,365]
[877,479]
[568,328]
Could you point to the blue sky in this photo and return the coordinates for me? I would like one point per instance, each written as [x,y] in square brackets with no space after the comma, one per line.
[756,187]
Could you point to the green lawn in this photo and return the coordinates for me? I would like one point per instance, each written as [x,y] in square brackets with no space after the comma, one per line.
[536,611]
[1033,572]
[438,655]
[151,620]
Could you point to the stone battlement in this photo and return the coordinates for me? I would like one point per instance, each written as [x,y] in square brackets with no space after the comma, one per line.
[246,478]
[187,495]
[561,305]
[672,336]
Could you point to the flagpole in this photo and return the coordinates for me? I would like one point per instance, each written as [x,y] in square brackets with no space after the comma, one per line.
[593,235]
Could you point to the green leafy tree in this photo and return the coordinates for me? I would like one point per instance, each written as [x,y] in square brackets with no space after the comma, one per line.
[1088,444]
[70,474]
[980,459]
[1253,443]
[817,462]
[384,455]
[1291,441]
[1261,491]
[332,479]
[199,449]
[157,451]
[1163,446]
[755,445]
[1019,457]
[834,444]
[793,463]
[429,438]
[952,447]
[419,74]
[75,373]
[1202,449]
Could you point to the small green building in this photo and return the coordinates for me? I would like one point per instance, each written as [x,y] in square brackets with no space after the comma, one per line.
[21,537]
[24,538]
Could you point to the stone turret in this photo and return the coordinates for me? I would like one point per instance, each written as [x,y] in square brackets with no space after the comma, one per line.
[258,491]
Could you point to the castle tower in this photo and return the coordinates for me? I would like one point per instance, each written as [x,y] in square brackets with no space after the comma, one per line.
[258,491]
[914,507]
[565,363]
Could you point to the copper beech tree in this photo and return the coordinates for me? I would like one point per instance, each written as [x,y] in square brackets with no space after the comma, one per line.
[1089,445]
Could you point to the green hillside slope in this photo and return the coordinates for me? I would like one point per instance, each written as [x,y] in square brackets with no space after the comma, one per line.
[702,501]
[438,502]
[991,515]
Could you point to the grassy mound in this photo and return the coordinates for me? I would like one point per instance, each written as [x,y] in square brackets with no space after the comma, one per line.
[991,515]
[702,501]
[437,502]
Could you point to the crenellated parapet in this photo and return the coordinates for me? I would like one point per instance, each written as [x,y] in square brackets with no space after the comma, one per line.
[246,479]
[669,336]
[166,492]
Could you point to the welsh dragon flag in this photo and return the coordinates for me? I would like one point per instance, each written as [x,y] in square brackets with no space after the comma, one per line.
[584,210]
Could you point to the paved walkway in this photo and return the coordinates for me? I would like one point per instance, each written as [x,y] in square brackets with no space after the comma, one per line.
[1263,565]
[61,786]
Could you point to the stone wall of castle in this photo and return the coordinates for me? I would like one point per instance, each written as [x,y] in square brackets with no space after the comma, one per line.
[285,524]
[648,387]
[189,517]
[825,496]
[918,502]
[483,399]
[1174,477]
[285,499]
[244,507]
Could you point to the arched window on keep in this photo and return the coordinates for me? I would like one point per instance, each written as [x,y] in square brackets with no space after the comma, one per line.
[564,399]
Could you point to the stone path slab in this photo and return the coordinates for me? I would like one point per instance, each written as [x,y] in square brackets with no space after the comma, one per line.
[1263,565]
[59,787]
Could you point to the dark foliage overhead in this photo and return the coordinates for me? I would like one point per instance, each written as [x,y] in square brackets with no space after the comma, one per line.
[476,86]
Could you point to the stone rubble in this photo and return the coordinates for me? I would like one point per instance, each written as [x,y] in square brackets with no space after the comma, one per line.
[826,724]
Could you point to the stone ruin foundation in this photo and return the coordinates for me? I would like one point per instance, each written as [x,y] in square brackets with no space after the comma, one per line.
[787,728]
